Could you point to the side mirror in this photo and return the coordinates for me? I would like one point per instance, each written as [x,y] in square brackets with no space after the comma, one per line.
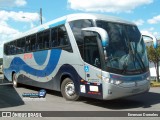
[150,38]
[103,34]
[104,37]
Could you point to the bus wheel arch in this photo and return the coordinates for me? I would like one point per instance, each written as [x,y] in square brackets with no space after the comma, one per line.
[14,79]
[68,89]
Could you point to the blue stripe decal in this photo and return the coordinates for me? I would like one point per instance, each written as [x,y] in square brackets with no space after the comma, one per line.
[18,64]
[104,43]
[130,78]
[40,56]
[57,23]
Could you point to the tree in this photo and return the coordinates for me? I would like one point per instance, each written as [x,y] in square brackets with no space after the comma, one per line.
[154,56]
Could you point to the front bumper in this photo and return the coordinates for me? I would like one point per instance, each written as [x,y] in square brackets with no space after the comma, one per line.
[111,91]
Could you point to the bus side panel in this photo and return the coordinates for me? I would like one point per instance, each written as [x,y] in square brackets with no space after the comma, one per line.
[38,69]
[55,82]
[28,81]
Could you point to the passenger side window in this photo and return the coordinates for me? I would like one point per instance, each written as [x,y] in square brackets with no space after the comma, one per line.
[28,44]
[39,44]
[20,45]
[76,27]
[62,36]
[51,38]
[12,48]
[23,40]
[43,39]
[46,38]
[6,49]
[33,42]
[59,38]
[54,37]
[91,51]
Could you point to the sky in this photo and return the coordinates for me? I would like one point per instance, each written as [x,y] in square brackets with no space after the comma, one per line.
[18,16]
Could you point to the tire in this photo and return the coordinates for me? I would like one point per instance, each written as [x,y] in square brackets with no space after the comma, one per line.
[14,80]
[68,90]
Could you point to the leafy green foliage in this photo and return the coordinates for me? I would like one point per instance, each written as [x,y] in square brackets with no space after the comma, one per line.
[154,56]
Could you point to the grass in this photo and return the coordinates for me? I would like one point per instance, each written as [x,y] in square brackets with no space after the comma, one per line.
[155,84]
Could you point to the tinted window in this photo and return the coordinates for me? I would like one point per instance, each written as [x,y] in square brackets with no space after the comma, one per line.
[7,49]
[20,45]
[54,37]
[33,42]
[28,44]
[39,44]
[59,38]
[76,27]
[46,38]
[62,36]
[12,47]
[126,53]
[91,52]
[43,39]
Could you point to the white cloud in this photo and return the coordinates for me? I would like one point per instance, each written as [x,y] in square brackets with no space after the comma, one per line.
[5,16]
[139,22]
[12,3]
[146,31]
[156,34]
[151,29]
[107,5]
[154,20]
[20,2]
[6,31]
[19,16]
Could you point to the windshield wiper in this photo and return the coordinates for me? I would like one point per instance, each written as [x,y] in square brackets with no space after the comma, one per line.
[125,65]
[135,56]
[139,59]
[141,63]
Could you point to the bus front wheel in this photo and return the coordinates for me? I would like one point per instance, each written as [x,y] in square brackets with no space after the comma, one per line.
[68,90]
[14,80]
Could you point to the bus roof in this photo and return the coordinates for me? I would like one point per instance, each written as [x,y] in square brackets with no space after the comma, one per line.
[71,17]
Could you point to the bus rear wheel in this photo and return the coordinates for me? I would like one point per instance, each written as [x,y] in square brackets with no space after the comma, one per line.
[68,90]
[14,80]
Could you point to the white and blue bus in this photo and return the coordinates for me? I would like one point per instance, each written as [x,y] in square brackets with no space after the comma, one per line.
[88,55]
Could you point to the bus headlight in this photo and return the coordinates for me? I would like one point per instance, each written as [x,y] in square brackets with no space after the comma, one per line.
[105,79]
[148,78]
[116,82]
[112,81]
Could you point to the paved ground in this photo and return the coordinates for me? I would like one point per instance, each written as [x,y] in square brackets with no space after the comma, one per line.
[11,100]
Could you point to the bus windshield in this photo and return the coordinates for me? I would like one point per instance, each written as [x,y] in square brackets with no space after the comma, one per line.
[126,53]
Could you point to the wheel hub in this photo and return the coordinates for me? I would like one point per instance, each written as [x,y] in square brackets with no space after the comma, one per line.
[69,89]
